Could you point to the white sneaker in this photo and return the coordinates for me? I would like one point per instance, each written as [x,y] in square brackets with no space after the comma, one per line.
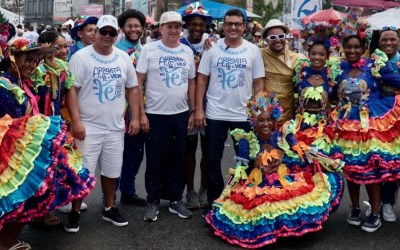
[388,213]
[67,208]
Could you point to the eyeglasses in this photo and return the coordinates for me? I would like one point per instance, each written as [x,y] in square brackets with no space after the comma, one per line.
[388,28]
[135,26]
[231,24]
[274,37]
[110,32]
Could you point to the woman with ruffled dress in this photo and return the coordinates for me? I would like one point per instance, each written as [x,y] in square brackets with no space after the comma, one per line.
[39,169]
[367,127]
[271,202]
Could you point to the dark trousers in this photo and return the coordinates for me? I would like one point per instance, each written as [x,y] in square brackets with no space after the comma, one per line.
[388,192]
[216,134]
[132,158]
[167,134]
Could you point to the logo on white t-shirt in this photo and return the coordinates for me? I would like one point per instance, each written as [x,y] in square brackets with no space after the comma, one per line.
[173,71]
[107,83]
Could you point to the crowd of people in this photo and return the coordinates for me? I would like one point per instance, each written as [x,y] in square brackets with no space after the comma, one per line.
[107,92]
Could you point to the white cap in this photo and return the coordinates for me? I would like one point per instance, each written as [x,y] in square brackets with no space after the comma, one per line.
[48,27]
[171,17]
[107,20]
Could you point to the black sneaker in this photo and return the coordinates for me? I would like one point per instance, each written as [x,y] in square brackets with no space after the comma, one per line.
[372,224]
[354,218]
[133,200]
[72,225]
[114,217]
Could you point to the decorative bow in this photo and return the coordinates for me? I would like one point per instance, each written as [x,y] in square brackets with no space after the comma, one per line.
[314,93]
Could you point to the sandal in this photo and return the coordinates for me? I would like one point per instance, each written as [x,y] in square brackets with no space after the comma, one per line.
[48,221]
[21,246]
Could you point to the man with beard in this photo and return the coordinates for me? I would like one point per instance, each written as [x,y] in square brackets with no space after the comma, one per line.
[132,23]
[279,64]
[235,69]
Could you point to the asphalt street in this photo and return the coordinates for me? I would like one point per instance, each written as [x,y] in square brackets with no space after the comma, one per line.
[172,232]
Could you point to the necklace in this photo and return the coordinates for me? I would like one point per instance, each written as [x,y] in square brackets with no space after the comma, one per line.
[316,77]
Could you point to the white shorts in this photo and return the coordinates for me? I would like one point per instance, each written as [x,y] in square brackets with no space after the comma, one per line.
[104,148]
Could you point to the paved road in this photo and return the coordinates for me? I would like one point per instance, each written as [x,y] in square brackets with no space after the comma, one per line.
[171,232]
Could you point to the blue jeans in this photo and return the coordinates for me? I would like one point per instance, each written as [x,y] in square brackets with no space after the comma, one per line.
[132,158]
[216,134]
[167,133]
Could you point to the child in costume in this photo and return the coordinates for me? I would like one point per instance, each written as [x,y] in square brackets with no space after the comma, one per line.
[39,169]
[366,123]
[271,202]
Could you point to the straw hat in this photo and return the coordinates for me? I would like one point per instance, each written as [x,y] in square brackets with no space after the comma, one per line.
[274,23]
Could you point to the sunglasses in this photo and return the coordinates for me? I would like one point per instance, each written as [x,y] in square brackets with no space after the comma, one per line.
[274,37]
[110,32]
[388,28]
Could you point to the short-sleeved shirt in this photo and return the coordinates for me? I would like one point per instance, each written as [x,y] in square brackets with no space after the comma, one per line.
[102,81]
[231,71]
[168,71]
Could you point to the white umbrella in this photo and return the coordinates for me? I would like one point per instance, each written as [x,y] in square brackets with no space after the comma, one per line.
[388,17]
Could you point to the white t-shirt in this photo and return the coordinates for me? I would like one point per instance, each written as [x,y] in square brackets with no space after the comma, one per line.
[231,72]
[102,81]
[31,35]
[167,80]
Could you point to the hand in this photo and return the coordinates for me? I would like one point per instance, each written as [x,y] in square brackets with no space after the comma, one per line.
[200,119]
[78,130]
[191,122]
[144,123]
[49,60]
[208,42]
[134,127]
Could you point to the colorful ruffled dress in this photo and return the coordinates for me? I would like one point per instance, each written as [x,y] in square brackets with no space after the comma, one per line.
[256,209]
[367,135]
[311,122]
[39,169]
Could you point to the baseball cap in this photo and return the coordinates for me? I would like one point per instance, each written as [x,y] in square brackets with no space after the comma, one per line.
[107,20]
[171,17]
[48,27]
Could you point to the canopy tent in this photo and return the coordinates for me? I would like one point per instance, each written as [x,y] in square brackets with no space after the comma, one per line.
[69,22]
[388,17]
[150,20]
[218,10]
[376,4]
[13,18]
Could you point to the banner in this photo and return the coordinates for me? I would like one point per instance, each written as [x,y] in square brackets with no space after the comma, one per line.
[141,5]
[61,10]
[300,9]
[96,10]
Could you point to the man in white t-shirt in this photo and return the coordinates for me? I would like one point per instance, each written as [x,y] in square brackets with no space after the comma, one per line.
[31,34]
[228,74]
[97,106]
[167,115]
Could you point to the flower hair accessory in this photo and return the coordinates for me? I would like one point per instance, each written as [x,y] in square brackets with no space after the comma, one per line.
[323,32]
[23,44]
[196,9]
[263,102]
[354,24]
[4,34]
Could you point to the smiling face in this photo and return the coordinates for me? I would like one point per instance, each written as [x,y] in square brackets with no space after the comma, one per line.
[62,48]
[278,44]
[196,28]
[353,50]
[87,34]
[264,125]
[26,62]
[170,33]
[389,42]
[105,37]
[233,27]
[133,29]
[318,55]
